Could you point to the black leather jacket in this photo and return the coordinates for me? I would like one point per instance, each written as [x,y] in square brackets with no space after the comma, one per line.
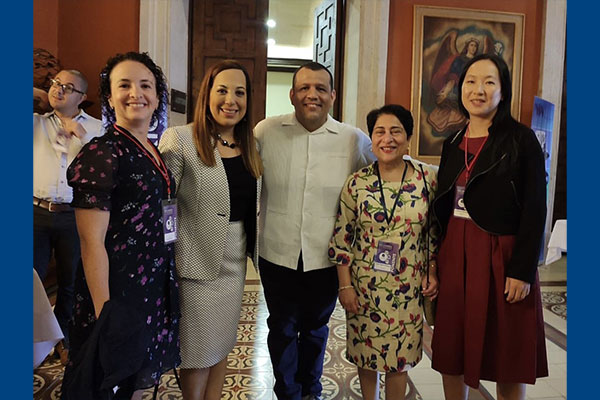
[502,198]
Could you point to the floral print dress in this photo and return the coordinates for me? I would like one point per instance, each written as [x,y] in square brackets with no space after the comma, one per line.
[112,173]
[386,334]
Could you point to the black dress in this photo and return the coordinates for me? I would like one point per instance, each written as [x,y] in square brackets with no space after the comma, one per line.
[112,173]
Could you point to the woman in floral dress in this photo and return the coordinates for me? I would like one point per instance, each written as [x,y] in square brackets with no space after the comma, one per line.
[384,252]
[125,332]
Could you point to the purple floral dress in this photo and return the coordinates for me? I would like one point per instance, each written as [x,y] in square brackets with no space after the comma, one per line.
[386,334]
[112,173]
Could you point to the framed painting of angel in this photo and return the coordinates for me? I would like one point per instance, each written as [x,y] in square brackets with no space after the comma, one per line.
[444,40]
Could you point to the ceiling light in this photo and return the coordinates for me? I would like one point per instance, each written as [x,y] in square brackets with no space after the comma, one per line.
[271,42]
[271,23]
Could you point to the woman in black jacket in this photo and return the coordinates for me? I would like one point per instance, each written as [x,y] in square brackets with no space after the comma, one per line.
[490,208]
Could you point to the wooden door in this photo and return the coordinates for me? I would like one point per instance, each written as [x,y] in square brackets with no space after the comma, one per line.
[328,44]
[229,29]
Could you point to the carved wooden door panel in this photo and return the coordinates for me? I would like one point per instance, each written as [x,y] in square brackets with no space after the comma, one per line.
[225,29]
[325,23]
[328,46]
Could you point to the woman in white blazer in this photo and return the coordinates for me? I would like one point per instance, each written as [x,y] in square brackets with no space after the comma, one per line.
[217,169]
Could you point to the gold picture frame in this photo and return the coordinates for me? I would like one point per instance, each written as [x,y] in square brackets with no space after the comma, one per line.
[444,39]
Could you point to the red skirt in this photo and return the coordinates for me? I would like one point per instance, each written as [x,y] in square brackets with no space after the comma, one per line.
[477,333]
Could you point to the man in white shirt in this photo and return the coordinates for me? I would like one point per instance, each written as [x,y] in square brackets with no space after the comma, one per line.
[57,138]
[307,156]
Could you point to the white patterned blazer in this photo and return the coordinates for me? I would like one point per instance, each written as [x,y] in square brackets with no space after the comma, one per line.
[202,204]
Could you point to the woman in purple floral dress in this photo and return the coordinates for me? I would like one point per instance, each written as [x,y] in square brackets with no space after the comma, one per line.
[379,245]
[126,316]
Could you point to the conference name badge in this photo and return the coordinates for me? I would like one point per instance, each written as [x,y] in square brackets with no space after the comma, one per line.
[459,203]
[386,257]
[169,208]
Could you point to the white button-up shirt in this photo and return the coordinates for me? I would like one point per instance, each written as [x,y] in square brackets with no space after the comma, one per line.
[303,175]
[50,165]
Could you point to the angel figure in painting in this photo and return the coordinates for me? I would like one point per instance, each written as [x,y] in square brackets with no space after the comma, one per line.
[446,117]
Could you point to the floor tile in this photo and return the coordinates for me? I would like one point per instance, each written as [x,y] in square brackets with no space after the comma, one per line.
[249,371]
[541,389]
[560,385]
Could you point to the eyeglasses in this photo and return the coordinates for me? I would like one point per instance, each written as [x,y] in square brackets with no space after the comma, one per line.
[68,88]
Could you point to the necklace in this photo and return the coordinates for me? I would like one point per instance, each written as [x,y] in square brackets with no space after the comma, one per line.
[225,142]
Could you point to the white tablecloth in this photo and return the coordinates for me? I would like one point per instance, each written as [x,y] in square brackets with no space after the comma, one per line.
[558,241]
[46,331]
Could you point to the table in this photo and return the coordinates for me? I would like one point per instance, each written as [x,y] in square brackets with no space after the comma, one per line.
[558,241]
[46,331]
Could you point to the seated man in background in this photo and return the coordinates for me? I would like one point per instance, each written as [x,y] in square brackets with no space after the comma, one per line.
[57,138]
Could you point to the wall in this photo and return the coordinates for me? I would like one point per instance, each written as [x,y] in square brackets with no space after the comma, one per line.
[398,87]
[177,73]
[164,35]
[88,33]
[365,55]
[278,93]
[294,31]
[45,29]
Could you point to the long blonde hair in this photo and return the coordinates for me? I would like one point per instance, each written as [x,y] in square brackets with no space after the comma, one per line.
[205,128]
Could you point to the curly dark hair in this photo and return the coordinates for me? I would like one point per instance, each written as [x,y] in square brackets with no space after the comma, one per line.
[162,90]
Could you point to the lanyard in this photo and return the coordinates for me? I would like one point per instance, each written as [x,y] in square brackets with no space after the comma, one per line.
[468,165]
[389,218]
[161,166]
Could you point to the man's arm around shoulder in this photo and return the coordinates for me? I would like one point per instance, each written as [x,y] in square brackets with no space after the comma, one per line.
[365,152]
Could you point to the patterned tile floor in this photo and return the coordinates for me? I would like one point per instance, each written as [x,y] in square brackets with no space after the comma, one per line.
[249,373]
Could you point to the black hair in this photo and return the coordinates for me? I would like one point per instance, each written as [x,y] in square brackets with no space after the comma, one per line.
[313,66]
[504,125]
[503,111]
[162,90]
[403,115]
